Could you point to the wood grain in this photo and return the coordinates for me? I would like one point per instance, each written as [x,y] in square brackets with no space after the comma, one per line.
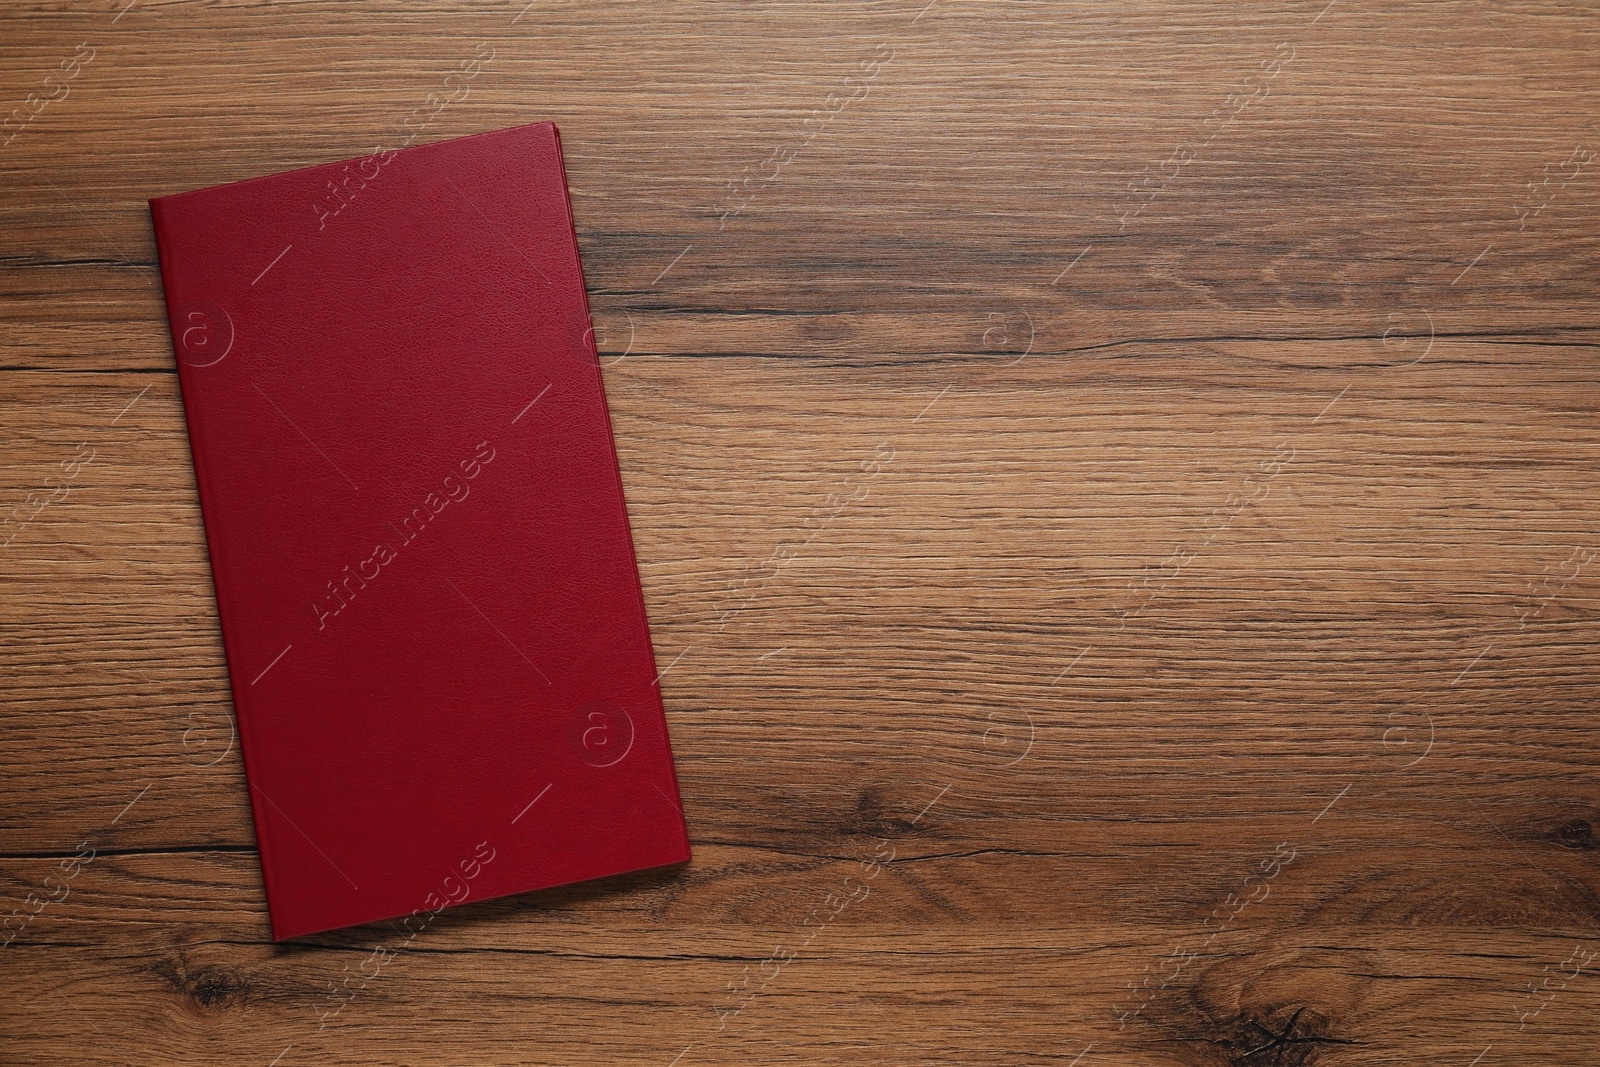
[1133,466]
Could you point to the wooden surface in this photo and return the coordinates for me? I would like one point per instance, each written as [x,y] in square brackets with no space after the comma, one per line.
[1133,465]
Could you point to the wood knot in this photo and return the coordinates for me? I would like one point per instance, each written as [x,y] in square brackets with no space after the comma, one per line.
[872,817]
[1286,1039]
[216,987]
[1576,833]
[1272,1007]
[210,988]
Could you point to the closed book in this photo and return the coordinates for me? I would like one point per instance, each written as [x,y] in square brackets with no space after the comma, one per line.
[435,634]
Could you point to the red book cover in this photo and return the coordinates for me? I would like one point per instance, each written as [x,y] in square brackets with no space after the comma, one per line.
[437,644]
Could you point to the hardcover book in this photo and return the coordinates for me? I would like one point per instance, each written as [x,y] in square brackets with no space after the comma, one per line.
[436,639]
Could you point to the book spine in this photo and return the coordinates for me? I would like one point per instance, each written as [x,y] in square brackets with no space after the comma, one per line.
[614,469]
[202,335]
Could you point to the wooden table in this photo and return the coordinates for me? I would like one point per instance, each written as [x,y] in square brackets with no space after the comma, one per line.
[1115,489]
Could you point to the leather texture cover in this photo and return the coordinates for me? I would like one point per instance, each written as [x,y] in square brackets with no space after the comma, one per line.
[436,639]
